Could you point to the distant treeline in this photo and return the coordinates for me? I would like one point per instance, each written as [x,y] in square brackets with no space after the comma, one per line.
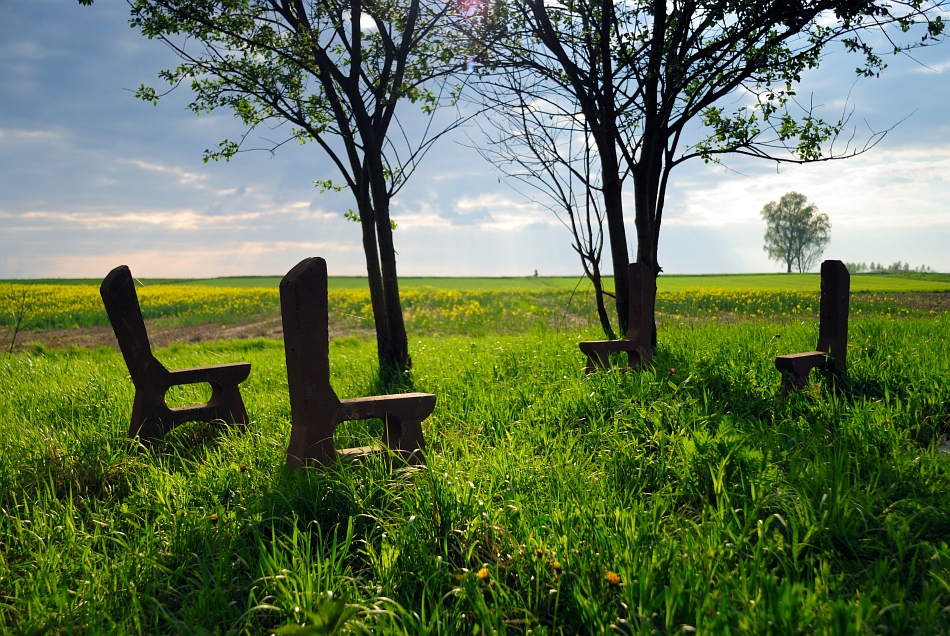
[880,268]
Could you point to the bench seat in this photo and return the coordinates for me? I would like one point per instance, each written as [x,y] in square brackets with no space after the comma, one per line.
[832,348]
[316,411]
[151,416]
[637,342]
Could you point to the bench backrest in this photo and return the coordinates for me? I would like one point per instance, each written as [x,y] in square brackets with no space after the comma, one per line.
[642,285]
[122,306]
[303,311]
[833,310]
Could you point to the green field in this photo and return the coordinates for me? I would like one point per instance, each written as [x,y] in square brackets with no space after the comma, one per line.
[687,496]
[881,283]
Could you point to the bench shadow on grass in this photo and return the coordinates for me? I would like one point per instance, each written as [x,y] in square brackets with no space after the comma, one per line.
[726,395]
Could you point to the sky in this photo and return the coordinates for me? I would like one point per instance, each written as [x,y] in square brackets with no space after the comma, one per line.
[91,177]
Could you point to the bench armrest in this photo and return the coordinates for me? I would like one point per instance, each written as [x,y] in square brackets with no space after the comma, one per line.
[224,374]
[402,406]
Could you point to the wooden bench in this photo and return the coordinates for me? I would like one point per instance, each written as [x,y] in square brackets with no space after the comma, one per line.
[638,341]
[151,416]
[832,348]
[316,410]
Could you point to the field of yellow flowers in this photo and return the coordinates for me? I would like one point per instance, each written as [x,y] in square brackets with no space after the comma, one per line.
[427,309]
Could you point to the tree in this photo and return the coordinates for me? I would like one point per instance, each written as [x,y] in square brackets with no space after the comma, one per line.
[795,231]
[335,71]
[554,156]
[652,79]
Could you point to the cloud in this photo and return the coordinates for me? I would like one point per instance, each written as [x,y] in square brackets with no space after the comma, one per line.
[488,212]
[30,136]
[182,176]
[173,219]
[930,69]
[882,189]
[249,257]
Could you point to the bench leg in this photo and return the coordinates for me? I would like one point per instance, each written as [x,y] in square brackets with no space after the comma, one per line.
[405,438]
[793,381]
[796,378]
[147,418]
[304,451]
[228,405]
[597,362]
[633,359]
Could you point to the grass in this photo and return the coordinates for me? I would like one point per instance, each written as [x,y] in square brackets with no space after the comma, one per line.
[684,496]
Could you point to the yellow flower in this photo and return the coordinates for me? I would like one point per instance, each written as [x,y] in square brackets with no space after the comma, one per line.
[557,566]
[214,517]
[613,578]
[483,574]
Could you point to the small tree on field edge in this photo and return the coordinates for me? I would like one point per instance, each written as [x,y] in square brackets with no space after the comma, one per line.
[339,73]
[795,232]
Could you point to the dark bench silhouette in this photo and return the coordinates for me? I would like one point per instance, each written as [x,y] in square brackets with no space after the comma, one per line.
[831,352]
[315,409]
[151,416]
[638,341]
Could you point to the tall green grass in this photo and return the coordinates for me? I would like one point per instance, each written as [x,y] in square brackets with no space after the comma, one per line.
[684,496]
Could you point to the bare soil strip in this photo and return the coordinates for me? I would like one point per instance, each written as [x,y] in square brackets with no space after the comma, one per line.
[163,335]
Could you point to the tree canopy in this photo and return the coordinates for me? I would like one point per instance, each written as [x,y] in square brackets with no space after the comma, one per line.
[659,82]
[796,233]
[332,72]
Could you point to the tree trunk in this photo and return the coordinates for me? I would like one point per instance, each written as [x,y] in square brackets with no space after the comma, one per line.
[374,275]
[613,210]
[645,200]
[595,278]
[392,345]
[395,360]
[393,352]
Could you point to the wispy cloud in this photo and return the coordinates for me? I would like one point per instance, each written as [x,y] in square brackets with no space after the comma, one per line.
[182,176]
[895,188]
[12,134]
[498,212]
[933,69]
[181,219]
[249,257]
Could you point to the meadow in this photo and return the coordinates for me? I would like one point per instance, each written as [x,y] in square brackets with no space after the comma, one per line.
[428,309]
[875,283]
[685,497]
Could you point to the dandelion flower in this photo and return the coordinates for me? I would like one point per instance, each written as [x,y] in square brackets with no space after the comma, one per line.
[557,566]
[483,574]
[214,517]
[613,578]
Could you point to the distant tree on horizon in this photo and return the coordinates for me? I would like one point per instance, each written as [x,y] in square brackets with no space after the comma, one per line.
[796,232]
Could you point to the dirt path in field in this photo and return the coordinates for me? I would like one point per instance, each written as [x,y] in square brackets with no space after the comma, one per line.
[160,335]
[938,302]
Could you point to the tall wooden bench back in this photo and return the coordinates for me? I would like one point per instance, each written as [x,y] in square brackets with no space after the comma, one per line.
[151,416]
[316,411]
[638,341]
